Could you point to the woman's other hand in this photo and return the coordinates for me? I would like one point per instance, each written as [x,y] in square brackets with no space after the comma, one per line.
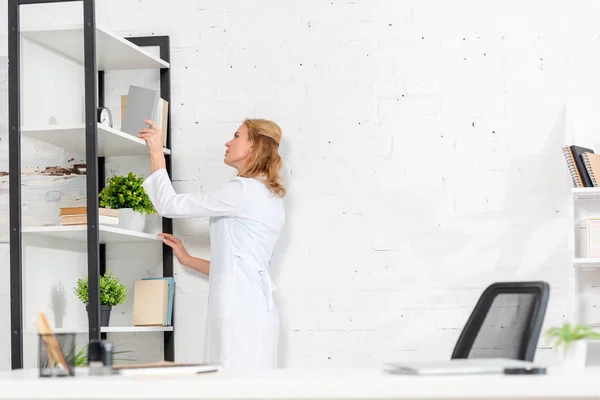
[153,137]
[177,246]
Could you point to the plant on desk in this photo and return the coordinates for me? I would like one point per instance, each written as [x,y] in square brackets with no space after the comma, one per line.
[127,194]
[112,293]
[81,358]
[571,342]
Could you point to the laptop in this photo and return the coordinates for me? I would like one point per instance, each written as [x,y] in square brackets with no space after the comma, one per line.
[459,366]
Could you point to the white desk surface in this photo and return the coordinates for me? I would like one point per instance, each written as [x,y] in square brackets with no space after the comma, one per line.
[303,384]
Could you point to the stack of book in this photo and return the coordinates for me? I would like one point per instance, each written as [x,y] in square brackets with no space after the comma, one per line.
[78,216]
[583,165]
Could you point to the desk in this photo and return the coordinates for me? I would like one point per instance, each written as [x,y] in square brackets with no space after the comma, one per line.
[303,384]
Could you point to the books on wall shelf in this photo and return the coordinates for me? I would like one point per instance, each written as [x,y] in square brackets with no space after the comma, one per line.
[78,216]
[583,165]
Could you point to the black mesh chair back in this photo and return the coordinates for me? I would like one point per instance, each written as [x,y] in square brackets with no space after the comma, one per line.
[506,322]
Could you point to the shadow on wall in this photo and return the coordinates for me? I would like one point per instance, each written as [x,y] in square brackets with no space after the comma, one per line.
[524,238]
[520,235]
[280,251]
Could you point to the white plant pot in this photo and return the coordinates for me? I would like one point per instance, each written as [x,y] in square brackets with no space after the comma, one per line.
[574,357]
[131,220]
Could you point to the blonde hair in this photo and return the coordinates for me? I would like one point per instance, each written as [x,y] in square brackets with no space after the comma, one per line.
[264,159]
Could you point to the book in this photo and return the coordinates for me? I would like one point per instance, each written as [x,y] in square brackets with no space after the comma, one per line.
[161,117]
[164,367]
[110,212]
[141,104]
[82,220]
[577,152]
[150,302]
[572,167]
[171,283]
[592,166]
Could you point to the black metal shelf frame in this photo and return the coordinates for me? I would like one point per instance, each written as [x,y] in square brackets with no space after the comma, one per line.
[94,97]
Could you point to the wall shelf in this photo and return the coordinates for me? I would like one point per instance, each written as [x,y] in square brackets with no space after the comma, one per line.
[134,329]
[108,234]
[586,262]
[110,329]
[586,193]
[111,142]
[112,51]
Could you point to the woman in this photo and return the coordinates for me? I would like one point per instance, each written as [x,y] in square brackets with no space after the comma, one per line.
[246,218]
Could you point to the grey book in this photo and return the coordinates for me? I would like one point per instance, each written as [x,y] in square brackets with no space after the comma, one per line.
[141,104]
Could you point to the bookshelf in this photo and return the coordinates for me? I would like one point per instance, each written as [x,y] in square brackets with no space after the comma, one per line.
[97,50]
[584,200]
[586,193]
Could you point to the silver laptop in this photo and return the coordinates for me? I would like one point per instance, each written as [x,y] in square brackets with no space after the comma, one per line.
[459,366]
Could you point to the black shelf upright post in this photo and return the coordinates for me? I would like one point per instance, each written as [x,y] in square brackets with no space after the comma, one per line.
[163,43]
[14,183]
[101,181]
[91,157]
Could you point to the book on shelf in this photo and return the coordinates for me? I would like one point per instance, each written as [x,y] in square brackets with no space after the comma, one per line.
[110,212]
[150,302]
[82,220]
[78,216]
[171,282]
[140,104]
[591,162]
[575,159]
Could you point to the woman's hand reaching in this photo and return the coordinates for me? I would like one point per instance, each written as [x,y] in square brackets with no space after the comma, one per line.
[154,140]
[153,137]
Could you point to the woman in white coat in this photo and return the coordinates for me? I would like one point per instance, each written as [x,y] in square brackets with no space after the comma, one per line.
[246,218]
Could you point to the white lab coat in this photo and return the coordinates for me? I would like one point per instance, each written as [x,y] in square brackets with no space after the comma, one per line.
[242,327]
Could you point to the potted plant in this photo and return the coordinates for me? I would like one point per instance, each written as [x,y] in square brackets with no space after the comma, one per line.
[571,342]
[112,293]
[127,194]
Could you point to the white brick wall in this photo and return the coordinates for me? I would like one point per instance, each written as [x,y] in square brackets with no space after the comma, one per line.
[421,148]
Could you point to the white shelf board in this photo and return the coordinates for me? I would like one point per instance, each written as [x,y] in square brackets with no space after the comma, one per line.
[113,52]
[586,263]
[109,329]
[79,330]
[133,329]
[111,142]
[586,193]
[108,234]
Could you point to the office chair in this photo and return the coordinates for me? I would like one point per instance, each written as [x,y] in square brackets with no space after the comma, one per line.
[505,323]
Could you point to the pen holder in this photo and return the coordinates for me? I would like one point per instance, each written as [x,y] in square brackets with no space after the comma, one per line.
[56,354]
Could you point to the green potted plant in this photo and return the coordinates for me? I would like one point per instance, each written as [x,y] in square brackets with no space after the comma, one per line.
[112,293]
[127,194]
[571,343]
